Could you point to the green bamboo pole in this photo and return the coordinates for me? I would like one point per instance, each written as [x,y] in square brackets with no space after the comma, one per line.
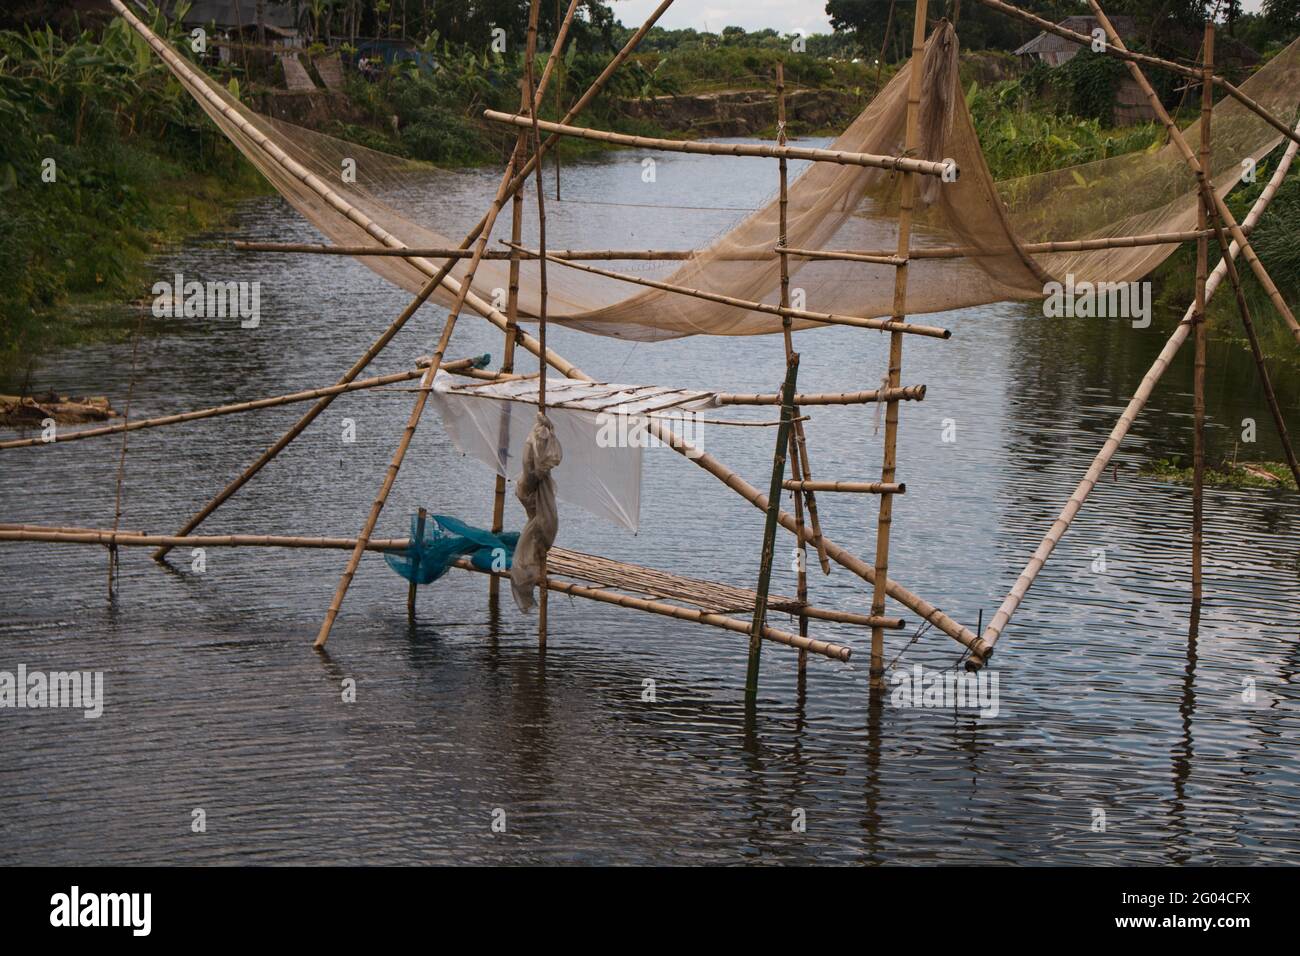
[769,527]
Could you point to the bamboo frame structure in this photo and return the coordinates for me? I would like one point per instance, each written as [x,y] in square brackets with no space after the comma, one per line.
[602,579]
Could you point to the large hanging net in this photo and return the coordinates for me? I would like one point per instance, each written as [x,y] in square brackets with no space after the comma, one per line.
[830,207]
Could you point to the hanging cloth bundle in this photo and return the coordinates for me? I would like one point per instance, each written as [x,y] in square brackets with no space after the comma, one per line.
[429,554]
[535,490]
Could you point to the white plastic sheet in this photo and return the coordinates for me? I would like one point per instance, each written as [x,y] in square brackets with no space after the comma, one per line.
[603,480]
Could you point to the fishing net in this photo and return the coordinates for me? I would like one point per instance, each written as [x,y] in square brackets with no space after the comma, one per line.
[433,549]
[830,207]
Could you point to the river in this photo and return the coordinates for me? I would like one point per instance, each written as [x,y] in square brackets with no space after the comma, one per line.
[1116,740]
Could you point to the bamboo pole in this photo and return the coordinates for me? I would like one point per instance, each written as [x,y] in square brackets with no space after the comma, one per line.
[871,257]
[1221,216]
[1120,52]
[426,383]
[410,588]
[447,252]
[460,365]
[508,357]
[888,257]
[1099,464]
[796,463]
[559,106]
[1198,375]
[835,652]
[534,8]
[827,317]
[121,462]
[801,550]
[889,467]
[897,163]
[858,487]
[769,527]
[880,256]
[125,539]
[908,393]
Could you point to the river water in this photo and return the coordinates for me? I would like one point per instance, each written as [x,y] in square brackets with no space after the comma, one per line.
[1115,740]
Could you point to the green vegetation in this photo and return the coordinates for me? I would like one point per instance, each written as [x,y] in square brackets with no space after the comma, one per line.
[1228,474]
[104,157]
[1021,134]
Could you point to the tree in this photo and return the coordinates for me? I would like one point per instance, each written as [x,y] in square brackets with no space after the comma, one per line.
[1283,13]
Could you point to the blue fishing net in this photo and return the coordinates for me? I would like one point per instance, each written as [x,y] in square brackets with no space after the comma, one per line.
[428,556]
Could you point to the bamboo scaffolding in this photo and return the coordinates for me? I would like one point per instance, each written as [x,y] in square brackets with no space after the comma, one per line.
[836,553]
[1120,52]
[769,525]
[827,317]
[460,365]
[438,276]
[1199,362]
[1220,215]
[859,487]
[898,163]
[888,469]
[1102,459]
[426,383]
[907,393]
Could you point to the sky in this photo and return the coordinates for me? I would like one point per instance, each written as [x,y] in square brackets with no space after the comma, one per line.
[786,16]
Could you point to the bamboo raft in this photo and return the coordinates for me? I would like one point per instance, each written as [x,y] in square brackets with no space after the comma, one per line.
[607,580]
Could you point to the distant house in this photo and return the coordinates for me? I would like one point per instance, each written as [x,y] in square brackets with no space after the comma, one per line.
[1054,50]
[1131,104]
[240,16]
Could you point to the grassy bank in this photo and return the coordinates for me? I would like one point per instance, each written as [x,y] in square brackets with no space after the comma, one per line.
[104,160]
[1226,474]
